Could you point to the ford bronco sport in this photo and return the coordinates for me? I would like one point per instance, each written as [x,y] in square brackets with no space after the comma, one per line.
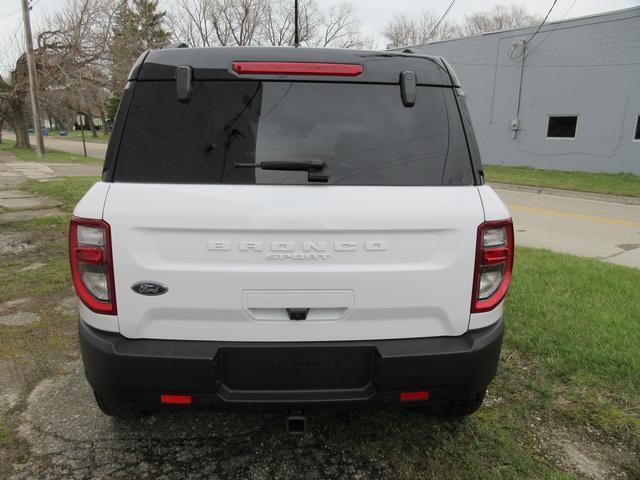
[290,228]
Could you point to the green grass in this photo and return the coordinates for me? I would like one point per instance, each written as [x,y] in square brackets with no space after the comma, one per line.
[576,321]
[67,190]
[578,318]
[50,156]
[611,183]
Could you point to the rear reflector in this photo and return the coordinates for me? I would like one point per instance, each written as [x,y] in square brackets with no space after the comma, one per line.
[176,399]
[293,68]
[414,396]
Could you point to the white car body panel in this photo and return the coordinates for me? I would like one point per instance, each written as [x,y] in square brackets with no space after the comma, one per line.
[92,203]
[370,262]
[494,207]
[107,323]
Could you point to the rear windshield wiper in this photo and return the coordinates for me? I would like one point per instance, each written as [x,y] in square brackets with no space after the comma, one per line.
[293,166]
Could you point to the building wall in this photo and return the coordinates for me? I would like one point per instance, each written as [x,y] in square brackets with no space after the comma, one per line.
[588,66]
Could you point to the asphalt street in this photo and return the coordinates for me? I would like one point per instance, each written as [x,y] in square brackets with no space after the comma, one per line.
[582,226]
[73,146]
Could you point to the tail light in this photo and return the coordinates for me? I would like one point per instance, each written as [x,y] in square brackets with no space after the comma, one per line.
[298,68]
[91,265]
[494,262]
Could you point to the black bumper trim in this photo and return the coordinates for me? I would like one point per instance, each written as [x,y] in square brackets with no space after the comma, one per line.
[256,375]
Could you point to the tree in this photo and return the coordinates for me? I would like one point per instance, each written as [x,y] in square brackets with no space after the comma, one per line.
[277,27]
[136,28]
[339,27]
[499,18]
[405,30]
[263,22]
[73,64]
[13,101]
[193,22]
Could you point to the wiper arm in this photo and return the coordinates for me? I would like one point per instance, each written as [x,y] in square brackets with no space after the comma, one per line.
[294,166]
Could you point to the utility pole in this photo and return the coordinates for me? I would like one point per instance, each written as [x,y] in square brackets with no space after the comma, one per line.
[33,81]
[296,35]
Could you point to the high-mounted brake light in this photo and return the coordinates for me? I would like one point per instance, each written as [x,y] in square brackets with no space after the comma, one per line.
[297,68]
[91,265]
[494,263]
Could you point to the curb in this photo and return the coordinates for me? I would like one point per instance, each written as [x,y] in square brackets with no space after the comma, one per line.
[602,197]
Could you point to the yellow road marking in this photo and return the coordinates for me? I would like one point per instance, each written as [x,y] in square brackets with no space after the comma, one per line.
[574,216]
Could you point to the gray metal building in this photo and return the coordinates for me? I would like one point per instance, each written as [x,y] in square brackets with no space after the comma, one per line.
[567,98]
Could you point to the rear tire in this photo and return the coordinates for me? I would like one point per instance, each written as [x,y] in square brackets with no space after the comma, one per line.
[118,410]
[463,407]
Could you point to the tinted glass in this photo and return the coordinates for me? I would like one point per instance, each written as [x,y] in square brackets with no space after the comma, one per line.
[362,132]
[562,127]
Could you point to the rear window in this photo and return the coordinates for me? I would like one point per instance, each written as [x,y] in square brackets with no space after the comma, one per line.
[362,132]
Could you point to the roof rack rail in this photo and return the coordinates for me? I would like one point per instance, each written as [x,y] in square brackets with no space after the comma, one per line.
[177,45]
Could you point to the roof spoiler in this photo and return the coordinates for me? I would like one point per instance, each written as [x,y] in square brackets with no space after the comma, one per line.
[177,45]
[455,81]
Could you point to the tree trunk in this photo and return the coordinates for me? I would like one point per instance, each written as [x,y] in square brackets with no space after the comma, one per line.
[92,126]
[105,125]
[1,127]
[21,127]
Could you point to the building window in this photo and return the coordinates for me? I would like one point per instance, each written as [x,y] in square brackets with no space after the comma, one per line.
[562,126]
[636,136]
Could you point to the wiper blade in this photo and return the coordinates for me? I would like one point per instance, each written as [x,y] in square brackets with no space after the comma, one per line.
[294,166]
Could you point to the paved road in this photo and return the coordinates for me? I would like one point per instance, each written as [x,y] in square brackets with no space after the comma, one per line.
[93,149]
[591,228]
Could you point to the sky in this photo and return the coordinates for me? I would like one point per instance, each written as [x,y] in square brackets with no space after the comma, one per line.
[374,14]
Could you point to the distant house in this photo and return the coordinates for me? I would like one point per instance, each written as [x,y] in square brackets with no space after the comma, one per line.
[566,99]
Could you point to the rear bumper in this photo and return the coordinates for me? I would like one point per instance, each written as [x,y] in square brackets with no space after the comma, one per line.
[224,375]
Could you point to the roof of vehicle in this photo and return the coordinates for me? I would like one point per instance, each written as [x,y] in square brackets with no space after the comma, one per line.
[215,64]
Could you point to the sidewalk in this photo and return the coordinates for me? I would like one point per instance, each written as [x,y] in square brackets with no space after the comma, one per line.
[16,204]
[602,197]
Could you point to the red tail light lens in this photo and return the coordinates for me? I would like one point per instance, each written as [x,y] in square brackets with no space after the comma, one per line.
[91,265]
[297,68]
[494,263]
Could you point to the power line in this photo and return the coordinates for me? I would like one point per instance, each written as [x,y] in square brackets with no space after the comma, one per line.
[543,21]
[441,19]
[551,32]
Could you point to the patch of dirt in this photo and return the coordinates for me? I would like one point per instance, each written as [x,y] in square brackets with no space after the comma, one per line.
[574,450]
[32,267]
[15,243]
[628,246]
[67,306]
[18,319]
[9,392]
[16,302]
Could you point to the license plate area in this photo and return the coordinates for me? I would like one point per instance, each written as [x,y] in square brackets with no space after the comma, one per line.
[297,368]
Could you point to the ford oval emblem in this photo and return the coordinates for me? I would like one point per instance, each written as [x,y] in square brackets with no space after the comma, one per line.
[149,288]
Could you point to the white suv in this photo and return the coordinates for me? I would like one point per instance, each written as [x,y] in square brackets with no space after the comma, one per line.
[290,228]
